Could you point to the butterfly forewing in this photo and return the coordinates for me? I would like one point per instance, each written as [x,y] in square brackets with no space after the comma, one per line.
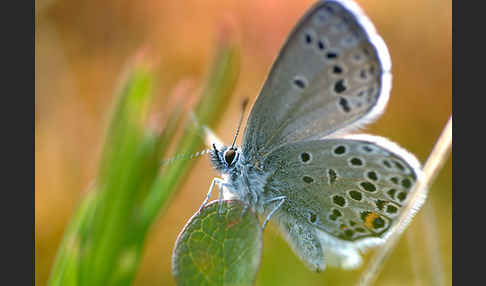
[330,73]
[350,189]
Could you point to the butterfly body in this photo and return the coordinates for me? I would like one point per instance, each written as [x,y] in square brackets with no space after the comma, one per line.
[331,194]
[243,178]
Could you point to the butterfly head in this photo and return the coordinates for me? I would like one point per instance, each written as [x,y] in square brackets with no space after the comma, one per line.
[224,160]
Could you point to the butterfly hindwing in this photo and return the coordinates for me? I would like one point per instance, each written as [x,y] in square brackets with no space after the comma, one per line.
[303,239]
[351,189]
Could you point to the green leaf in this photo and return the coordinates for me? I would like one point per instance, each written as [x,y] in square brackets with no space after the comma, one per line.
[219,249]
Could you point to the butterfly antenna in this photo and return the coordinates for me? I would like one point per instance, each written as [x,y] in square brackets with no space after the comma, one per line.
[243,108]
[184,156]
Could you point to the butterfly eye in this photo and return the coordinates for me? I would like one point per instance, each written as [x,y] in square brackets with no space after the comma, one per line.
[229,156]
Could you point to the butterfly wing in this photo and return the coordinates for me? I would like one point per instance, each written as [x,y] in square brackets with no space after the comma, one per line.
[350,190]
[303,239]
[333,71]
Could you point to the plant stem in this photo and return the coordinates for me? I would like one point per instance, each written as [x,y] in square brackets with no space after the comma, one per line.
[436,160]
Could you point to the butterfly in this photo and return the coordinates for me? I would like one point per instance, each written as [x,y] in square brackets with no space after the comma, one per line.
[331,193]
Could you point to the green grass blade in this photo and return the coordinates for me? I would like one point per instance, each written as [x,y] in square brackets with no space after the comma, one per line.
[124,156]
[214,99]
[66,266]
[104,242]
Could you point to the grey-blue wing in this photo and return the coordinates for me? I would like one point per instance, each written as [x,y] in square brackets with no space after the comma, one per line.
[303,239]
[349,190]
[333,72]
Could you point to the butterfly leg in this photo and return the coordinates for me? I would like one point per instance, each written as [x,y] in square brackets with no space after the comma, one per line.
[251,199]
[247,205]
[282,200]
[213,184]
[220,200]
[245,209]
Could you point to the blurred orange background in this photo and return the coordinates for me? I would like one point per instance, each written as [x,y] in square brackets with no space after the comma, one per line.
[83,46]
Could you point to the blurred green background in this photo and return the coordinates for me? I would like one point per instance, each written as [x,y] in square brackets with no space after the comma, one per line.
[82,48]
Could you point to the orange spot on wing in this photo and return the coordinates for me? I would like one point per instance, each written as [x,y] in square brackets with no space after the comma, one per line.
[369,219]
